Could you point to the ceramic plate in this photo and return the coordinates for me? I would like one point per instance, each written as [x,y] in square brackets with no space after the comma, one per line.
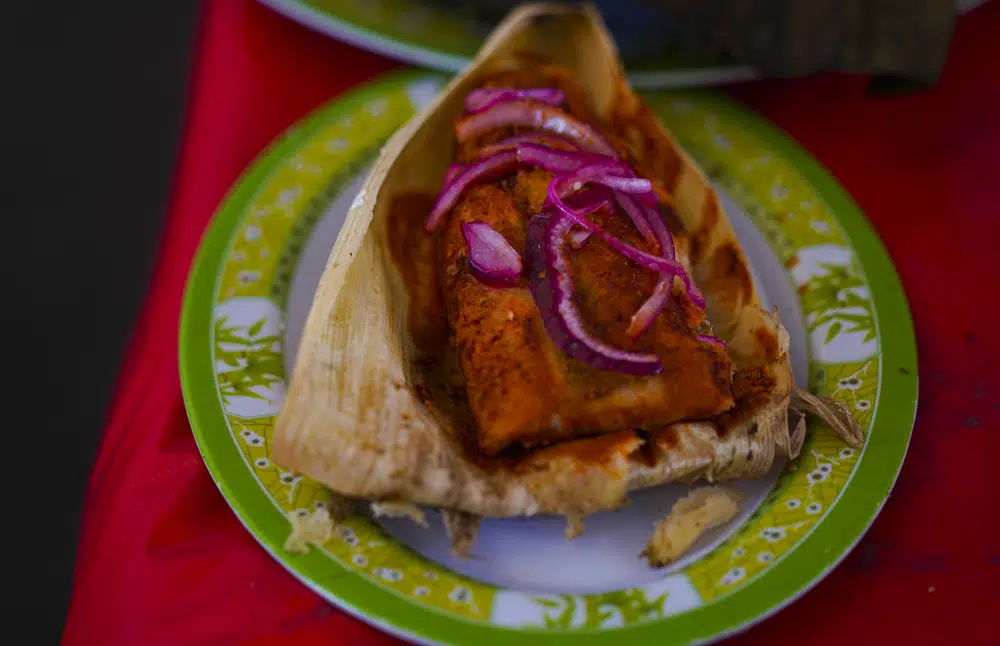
[812,254]
[425,33]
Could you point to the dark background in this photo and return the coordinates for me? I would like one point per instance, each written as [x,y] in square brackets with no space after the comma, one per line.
[93,96]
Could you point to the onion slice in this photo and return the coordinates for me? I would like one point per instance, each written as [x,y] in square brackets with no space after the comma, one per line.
[453,171]
[483,170]
[660,231]
[555,161]
[707,338]
[640,218]
[491,258]
[649,199]
[552,289]
[651,307]
[647,260]
[538,116]
[542,140]
[579,237]
[484,98]
[607,172]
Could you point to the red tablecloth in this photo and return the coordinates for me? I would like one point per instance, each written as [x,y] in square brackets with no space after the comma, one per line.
[162,560]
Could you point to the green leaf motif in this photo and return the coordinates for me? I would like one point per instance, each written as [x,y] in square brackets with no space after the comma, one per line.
[254,361]
[832,333]
[254,329]
[831,297]
[631,605]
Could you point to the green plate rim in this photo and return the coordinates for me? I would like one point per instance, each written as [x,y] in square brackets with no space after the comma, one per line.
[844,525]
[655,74]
